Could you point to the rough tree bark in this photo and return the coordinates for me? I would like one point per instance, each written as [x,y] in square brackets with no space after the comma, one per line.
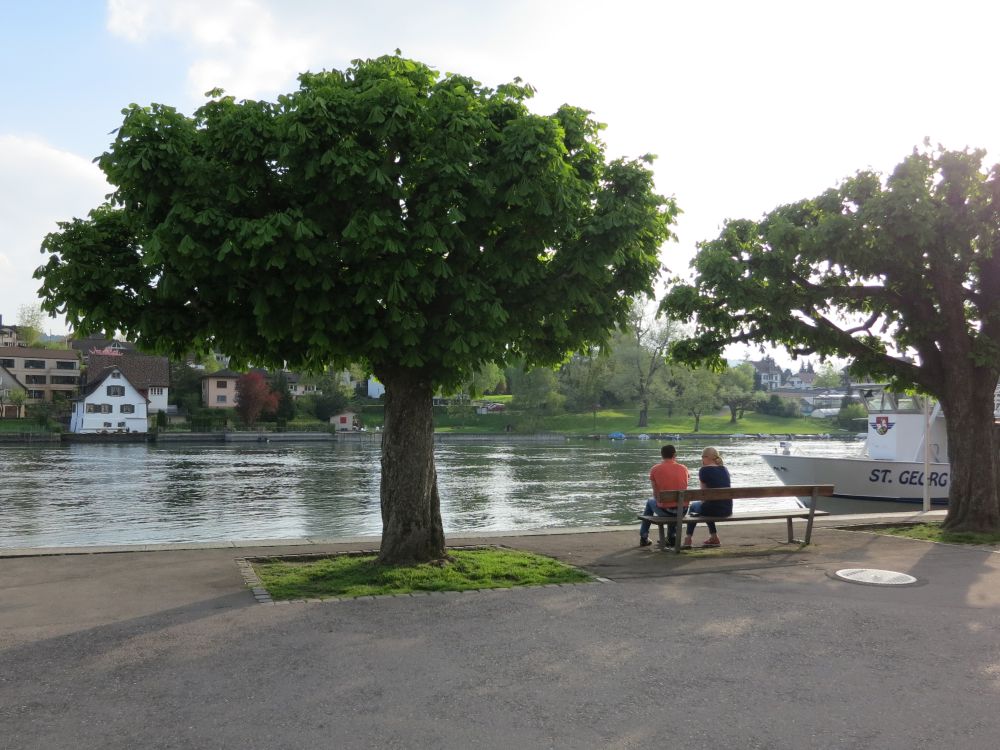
[972,440]
[412,531]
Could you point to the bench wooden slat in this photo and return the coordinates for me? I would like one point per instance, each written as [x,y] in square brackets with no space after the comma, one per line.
[739,493]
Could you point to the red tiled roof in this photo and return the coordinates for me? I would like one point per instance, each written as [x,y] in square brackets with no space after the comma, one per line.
[142,370]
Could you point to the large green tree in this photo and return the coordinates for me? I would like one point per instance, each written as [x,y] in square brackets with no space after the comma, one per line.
[424,223]
[899,274]
[736,389]
[697,391]
[639,355]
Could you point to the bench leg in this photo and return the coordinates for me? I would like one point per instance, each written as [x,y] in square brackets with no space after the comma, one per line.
[678,525]
[663,538]
[812,513]
[791,536]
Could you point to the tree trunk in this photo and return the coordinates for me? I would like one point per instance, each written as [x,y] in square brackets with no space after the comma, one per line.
[732,414]
[644,414]
[412,531]
[974,494]
[697,421]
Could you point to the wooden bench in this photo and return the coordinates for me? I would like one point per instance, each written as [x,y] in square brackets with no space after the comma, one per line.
[683,498]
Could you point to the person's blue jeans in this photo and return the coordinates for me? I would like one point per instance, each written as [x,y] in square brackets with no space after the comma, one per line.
[652,509]
[717,509]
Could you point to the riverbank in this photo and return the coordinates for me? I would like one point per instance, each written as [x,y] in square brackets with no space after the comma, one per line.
[375,437]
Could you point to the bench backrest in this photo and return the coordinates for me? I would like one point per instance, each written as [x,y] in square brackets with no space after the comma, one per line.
[671,497]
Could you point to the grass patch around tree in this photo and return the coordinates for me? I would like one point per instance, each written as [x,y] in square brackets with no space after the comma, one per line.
[932,532]
[352,575]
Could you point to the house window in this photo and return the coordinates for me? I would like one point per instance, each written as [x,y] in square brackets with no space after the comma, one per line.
[220,399]
[106,408]
[63,380]
[116,390]
[6,362]
[127,408]
[155,391]
[221,383]
[34,364]
[62,365]
[121,424]
[116,374]
[93,408]
[36,394]
[34,379]
[107,424]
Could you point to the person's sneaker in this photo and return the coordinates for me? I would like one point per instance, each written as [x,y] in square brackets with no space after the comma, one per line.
[710,543]
[644,541]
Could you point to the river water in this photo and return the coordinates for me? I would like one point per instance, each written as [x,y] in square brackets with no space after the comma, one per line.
[81,495]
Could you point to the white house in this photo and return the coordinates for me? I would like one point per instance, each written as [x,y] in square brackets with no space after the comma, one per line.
[109,403]
[148,374]
[768,374]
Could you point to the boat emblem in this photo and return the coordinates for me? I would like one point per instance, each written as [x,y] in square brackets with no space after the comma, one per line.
[882,425]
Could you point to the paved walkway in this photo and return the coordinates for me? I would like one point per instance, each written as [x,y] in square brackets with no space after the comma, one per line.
[760,648]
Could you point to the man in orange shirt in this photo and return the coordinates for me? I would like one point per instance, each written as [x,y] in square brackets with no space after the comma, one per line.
[666,475]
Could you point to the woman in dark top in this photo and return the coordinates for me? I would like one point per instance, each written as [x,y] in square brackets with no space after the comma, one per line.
[711,474]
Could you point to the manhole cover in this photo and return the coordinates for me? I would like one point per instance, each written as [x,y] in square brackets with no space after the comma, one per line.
[875,576]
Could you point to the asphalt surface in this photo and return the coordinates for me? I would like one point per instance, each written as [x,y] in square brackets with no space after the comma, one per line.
[760,648]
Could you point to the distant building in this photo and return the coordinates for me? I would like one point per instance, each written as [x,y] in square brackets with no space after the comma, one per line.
[374,389]
[150,375]
[10,385]
[768,375]
[347,421]
[297,387]
[100,345]
[109,403]
[803,379]
[218,389]
[43,372]
[8,334]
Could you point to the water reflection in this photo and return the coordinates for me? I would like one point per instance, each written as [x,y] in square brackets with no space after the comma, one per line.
[133,494]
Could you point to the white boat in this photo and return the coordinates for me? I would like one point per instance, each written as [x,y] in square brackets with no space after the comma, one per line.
[893,468]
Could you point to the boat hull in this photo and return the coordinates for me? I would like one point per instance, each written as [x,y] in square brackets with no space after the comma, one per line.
[896,485]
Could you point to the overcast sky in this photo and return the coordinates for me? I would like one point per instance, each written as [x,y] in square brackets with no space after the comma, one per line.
[748,105]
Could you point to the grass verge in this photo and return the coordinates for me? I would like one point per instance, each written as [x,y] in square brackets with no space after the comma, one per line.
[932,532]
[362,575]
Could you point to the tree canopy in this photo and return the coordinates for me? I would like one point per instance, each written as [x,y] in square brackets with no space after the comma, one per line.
[899,274]
[423,223]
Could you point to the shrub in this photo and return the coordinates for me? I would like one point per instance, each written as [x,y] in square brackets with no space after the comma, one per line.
[776,406]
[851,417]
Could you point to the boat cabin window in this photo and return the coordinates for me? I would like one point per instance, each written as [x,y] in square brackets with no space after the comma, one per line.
[880,401]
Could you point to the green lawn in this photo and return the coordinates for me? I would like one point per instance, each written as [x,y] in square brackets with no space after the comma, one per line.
[362,575]
[20,425]
[625,420]
[932,532]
